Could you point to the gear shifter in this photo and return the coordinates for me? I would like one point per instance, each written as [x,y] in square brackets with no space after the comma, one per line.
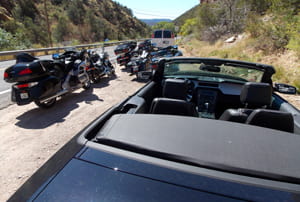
[206,106]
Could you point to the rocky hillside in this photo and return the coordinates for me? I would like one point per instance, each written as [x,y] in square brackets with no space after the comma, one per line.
[28,22]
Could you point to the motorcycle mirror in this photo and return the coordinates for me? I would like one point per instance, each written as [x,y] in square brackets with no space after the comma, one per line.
[55,56]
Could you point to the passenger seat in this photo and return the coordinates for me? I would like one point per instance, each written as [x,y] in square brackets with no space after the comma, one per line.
[253,95]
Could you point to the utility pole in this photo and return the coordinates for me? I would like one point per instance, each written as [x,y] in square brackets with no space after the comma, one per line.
[48,24]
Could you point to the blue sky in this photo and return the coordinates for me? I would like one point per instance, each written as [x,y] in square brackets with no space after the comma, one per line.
[148,9]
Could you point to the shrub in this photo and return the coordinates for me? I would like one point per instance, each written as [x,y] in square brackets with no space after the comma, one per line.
[188,27]
[10,42]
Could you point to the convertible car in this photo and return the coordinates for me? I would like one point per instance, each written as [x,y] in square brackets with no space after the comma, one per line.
[201,129]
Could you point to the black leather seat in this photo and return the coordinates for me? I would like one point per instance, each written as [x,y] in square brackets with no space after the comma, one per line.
[272,119]
[253,95]
[175,89]
[236,115]
[174,102]
[173,107]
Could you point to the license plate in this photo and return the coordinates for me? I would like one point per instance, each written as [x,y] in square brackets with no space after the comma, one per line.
[24,96]
[165,42]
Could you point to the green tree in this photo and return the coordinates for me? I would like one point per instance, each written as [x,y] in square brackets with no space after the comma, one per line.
[76,12]
[62,29]
[164,25]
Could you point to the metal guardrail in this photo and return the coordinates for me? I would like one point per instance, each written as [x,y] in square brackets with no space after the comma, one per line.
[10,55]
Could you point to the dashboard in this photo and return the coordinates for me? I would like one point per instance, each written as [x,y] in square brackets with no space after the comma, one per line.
[213,98]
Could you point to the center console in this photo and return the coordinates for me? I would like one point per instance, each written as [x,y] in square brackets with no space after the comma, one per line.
[206,102]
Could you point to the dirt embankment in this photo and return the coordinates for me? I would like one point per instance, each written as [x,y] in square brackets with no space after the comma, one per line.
[30,135]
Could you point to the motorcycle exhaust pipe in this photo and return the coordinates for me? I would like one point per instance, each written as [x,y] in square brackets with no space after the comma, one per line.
[56,95]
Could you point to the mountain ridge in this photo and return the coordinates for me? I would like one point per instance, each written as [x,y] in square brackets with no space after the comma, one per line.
[154,21]
[62,20]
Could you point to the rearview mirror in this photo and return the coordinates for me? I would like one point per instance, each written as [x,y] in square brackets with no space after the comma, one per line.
[285,88]
[210,68]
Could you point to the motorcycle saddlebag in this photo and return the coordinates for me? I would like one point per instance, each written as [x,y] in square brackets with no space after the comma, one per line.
[26,92]
[123,59]
[27,71]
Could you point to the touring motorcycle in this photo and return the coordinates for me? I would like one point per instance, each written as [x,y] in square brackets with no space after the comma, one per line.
[100,66]
[43,81]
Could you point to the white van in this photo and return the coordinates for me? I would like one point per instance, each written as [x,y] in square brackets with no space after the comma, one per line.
[163,38]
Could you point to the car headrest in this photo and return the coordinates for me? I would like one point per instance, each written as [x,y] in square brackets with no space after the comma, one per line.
[175,88]
[173,107]
[256,94]
[278,120]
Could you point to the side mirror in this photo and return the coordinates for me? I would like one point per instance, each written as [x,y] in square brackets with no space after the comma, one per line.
[55,56]
[285,88]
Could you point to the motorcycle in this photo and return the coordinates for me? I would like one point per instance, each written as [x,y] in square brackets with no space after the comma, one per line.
[139,64]
[43,81]
[125,51]
[170,51]
[99,66]
[145,45]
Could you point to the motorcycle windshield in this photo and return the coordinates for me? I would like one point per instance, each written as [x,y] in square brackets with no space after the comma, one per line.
[24,57]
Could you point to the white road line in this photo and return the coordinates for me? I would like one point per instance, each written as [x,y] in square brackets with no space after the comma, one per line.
[5,91]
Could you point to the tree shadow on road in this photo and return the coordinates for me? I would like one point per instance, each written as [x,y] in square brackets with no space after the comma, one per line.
[39,118]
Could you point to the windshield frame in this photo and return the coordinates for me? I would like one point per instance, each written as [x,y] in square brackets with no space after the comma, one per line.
[267,69]
[224,72]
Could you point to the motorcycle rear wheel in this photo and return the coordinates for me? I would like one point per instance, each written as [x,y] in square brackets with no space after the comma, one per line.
[87,85]
[47,104]
[96,78]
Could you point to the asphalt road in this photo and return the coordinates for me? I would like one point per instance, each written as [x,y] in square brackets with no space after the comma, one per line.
[5,88]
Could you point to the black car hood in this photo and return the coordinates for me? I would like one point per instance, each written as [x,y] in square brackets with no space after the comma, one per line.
[81,181]
[95,175]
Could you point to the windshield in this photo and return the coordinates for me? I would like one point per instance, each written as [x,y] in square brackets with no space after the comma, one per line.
[212,72]
[158,34]
[167,34]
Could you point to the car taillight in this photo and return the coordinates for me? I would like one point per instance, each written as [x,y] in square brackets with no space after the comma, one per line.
[5,75]
[172,36]
[25,71]
[152,36]
[25,85]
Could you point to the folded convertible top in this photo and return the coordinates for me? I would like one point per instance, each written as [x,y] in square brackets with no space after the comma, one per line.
[220,145]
